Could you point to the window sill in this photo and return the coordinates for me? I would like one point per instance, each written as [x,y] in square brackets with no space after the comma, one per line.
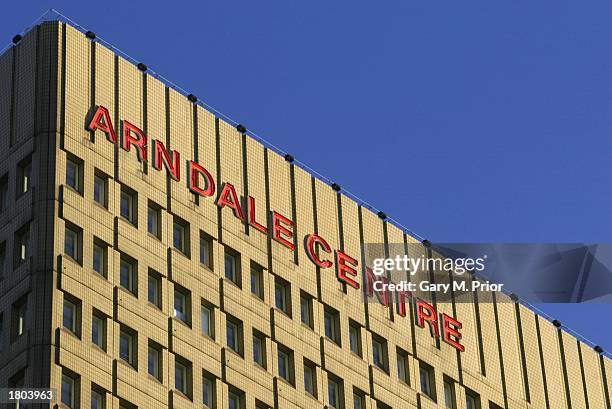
[260,366]
[283,380]
[74,190]
[154,236]
[128,221]
[73,260]
[307,326]
[232,282]
[188,325]
[70,332]
[282,312]
[154,379]
[126,363]
[100,275]
[98,348]
[179,393]
[153,305]
[238,354]
[380,369]
[209,337]
[101,206]
[126,291]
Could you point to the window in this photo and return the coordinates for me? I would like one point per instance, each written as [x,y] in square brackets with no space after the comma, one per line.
[74,173]
[334,392]
[450,399]
[154,360]
[355,337]
[154,288]
[494,406]
[98,329]
[154,219]
[19,311]
[259,348]
[24,176]
[128,205]
[310,378]
[182,304]
[123,404]
[180,235]
[98,398]
[69,391]
[100,257]
[100,192]
[127,274]
[332,324]
[428,380]
[379,352]
[358,399]
[402,365]
[15,382]
[235,398]
[232,266]
[22,244]
[257,280]
[73,242]
[182,376]
[4,193]
[2,259]
[127,346]
[206,250]
[208,390]
[282,295]
[261,405]
[285,364]
[472,400]
[306,309]
[71,315]
[380,405]
[234,334]
[206,316]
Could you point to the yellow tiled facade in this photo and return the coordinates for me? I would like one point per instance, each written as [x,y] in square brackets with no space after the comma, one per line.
[97,302]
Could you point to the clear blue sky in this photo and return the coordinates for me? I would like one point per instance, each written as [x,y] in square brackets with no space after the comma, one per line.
[467,121]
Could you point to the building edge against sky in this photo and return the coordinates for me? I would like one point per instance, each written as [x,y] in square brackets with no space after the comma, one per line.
[122,287]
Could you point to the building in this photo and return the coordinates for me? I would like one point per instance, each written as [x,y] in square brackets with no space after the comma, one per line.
[154,255]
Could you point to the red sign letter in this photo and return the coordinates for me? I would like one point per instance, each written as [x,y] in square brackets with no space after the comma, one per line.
[194,171]
[451,335]
[431,316]
[228,197]
[252,220]
[401,302]
[278,230]
[381,295]
[311,240]
[346,264]
[101,121]
[160,154]
[140,141]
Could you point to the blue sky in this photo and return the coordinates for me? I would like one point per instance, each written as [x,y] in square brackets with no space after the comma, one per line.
[467,121]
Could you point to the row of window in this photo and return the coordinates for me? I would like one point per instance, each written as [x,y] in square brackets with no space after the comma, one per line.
[70,391]
[21,249]
[18,323]
[23,182]
[234,338]
[128,205]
